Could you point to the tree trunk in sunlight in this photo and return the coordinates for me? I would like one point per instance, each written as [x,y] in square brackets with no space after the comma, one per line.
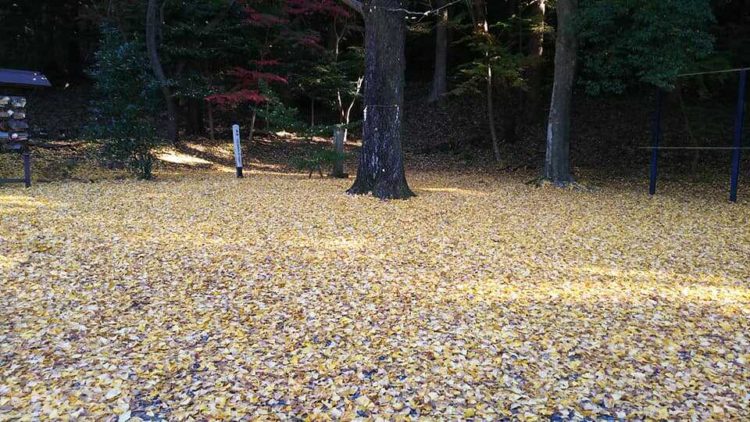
[381,161]
[557,157]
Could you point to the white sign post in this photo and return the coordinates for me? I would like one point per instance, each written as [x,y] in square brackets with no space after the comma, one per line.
[237,149]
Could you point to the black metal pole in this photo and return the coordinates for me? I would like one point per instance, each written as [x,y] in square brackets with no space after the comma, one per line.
[655,139]
[738,123]
[26,168]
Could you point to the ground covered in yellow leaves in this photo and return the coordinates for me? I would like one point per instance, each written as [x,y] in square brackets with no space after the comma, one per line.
[200,296]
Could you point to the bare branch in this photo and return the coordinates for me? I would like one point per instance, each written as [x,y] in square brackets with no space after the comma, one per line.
[354,4]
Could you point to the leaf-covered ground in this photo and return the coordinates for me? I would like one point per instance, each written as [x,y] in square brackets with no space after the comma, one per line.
[199,296]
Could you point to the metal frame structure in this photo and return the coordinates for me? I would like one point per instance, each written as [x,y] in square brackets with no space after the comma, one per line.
[656,133]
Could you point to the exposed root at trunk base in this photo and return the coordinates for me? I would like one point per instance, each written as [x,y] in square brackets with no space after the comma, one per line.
[572,184]
[382,190]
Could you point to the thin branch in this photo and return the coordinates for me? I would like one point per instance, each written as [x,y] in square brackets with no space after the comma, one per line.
[356,5]
[427,12]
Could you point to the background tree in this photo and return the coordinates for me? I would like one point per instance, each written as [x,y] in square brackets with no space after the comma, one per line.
[622,43]
[333,75]
[535,72]
[440,73]
[557,156]
[200,39]
[152,23]
[493,66]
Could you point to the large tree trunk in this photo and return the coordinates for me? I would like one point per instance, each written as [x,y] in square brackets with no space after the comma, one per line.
[440,74]
[536,53]
[153,55]
[557,158]
[381,161]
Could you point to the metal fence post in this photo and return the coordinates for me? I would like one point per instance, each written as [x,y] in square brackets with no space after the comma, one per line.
[738,123]
[655,139]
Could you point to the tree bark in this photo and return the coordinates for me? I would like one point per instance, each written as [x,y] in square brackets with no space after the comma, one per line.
[440,74]
[381,161]
[536,53]
[153,55]
[557,157]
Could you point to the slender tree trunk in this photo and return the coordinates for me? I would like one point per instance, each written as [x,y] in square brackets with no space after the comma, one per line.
[211,129]
[536,53]
[557,158]
[483,29]
[440,74]
[153,55]
[381,161]
[346,115]
[491,117]
[344,112]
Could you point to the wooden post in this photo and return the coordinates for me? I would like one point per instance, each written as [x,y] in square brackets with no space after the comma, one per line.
[237,149]
[738,123]
[655,138]
[26,168]
[312,113]
[252,127]
[338,147]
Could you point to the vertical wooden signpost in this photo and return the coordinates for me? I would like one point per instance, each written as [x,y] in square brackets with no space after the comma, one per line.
[237,149]
[338,147]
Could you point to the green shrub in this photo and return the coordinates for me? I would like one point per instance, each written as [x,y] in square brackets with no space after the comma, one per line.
[126,104]
[316,160]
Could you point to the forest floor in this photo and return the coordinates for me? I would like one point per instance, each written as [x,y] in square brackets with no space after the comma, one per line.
[201,296]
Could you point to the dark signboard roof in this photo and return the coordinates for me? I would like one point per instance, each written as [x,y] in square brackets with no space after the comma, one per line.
[22,78]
